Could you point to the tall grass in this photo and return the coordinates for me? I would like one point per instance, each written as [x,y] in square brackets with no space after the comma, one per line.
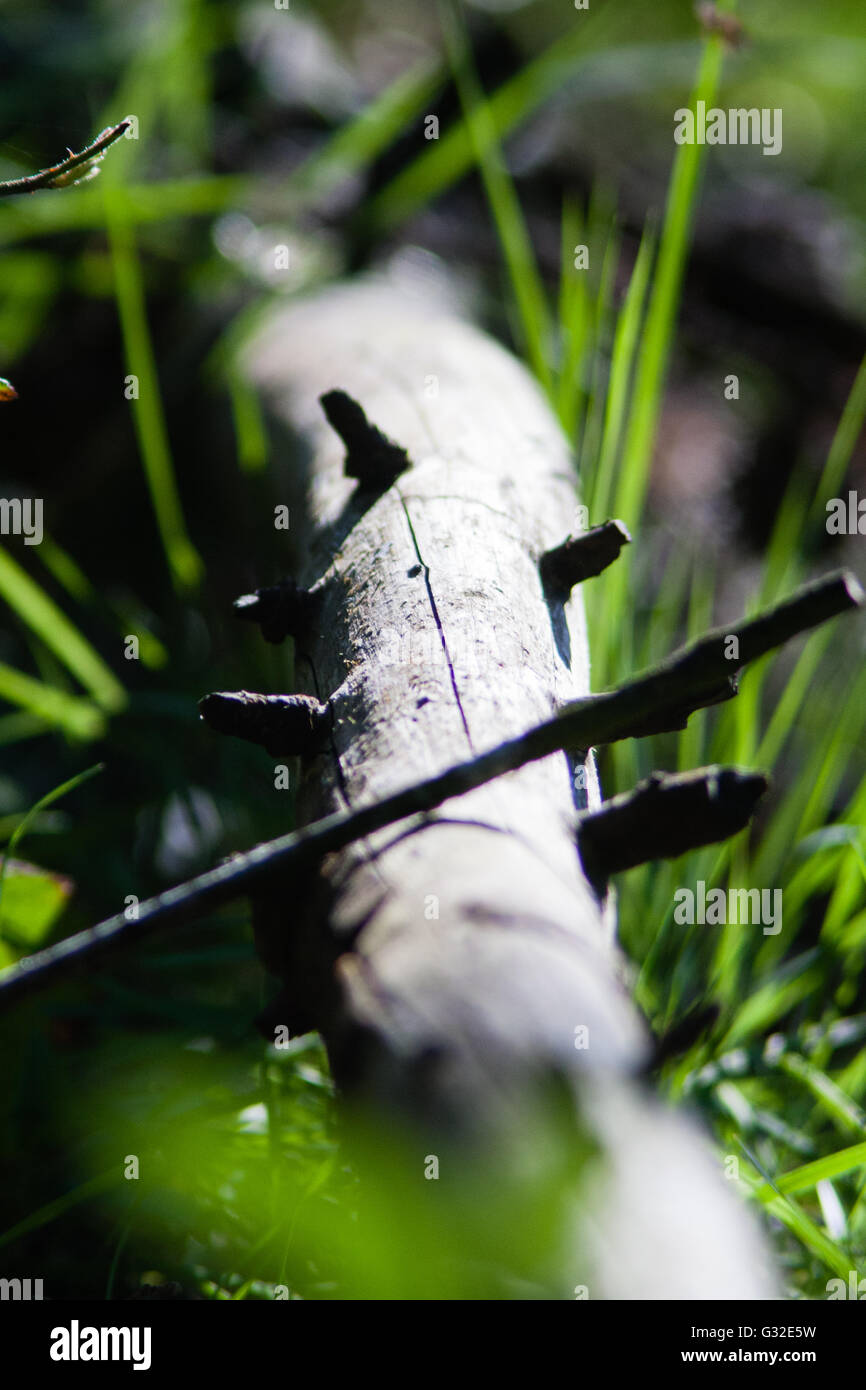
[145,398]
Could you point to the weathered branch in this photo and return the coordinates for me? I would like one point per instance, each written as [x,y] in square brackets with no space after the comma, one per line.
[704,672]
[285,725]
[656,701]
[664,696]
[583,556]
[665,816]
[281,610]
[449,964]
[83,166]
[371,457]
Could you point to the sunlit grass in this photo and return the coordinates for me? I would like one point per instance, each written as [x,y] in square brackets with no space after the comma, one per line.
[42,616]
[526,286]
[145,398]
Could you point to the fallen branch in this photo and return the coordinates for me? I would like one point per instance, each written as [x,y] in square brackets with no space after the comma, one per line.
[657,700]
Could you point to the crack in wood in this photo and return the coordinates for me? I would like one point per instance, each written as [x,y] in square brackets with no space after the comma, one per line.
[425,570]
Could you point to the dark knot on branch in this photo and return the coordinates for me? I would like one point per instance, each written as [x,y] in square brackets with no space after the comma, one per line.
[371,457]
[665,816]
[581,557]
[281,610]
[285,725]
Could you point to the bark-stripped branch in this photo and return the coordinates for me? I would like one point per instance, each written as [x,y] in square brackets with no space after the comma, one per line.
[659,699]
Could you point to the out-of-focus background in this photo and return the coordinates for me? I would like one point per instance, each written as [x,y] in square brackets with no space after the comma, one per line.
[276,149]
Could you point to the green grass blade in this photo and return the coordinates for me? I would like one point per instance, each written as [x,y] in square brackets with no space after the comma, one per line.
[847,433]
[655,349]
[803,508]
[574,61]
[184,563]
[83,209]
[770,1002]
[51,1211]
[664,300]
[357,143]
[42,616]
[529,295]
[77,718]
[844,1112]
[809,1174]
[791,1215]
[250,432]
[15,728]
[590,443]
[573,316]
[71,577]
[790,703]
[625,345]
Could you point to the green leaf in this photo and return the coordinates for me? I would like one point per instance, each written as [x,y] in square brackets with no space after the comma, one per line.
[21,830]
[32,900]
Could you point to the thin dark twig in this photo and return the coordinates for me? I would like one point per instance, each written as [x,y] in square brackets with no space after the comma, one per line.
[662,698]
[57,176]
